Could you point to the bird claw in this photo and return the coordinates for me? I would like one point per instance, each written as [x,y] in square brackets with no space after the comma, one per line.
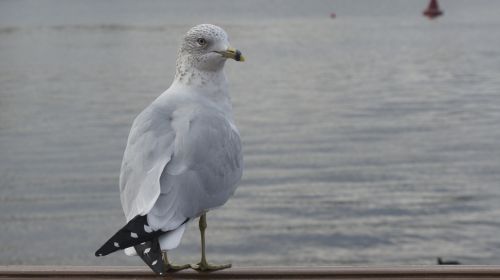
[174,268]
[206,267]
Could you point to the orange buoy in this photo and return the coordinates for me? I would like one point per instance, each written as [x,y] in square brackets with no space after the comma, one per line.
[433,10]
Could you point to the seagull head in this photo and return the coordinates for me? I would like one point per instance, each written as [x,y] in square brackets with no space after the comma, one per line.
[206,47]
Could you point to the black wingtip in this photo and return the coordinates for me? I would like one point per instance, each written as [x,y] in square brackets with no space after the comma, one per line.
[150,253]
[99,253]
[134,232]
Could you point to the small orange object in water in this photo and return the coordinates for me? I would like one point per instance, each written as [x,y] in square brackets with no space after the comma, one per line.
[333,15]
[433,10]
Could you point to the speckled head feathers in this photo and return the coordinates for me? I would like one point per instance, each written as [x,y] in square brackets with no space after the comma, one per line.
[204,38]
[204,49]
[206,30]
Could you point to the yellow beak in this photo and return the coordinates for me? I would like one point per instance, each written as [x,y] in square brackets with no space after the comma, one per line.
[232,53]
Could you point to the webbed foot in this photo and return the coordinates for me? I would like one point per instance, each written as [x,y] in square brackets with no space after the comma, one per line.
[170,267]
[204,266]
[174,268]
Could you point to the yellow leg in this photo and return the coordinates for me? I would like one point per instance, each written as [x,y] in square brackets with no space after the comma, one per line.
[169,267]
[203,265]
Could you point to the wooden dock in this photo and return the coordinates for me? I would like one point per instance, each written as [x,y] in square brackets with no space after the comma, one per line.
[460,272]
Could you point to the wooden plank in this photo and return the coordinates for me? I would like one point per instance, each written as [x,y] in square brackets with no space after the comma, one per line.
[461,272]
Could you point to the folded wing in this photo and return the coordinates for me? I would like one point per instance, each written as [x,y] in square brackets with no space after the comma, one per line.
[149,149]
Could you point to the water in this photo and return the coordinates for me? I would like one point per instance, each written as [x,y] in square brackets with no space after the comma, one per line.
[369,139]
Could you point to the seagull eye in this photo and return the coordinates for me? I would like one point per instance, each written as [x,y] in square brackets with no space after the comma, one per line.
[201,41]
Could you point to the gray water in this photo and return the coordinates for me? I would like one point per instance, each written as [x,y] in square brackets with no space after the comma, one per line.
[372,138]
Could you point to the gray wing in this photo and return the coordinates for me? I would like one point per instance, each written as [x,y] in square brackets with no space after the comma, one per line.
[149,149]
[204,170]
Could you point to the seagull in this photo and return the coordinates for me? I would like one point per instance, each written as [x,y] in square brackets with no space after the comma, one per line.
[183,155]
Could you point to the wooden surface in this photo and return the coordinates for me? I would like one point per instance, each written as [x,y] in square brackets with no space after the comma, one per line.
[358,272]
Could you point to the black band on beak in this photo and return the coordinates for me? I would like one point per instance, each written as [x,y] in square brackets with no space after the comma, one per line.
[237,56]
